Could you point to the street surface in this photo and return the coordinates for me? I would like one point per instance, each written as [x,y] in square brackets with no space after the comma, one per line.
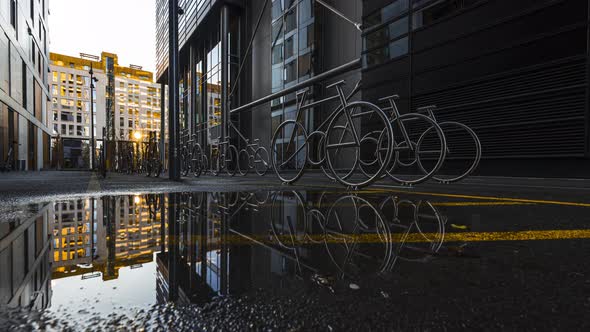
[489,253]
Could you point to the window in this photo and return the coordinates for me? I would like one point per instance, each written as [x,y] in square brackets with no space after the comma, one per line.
[13,13]
[437,10]
[54,77]
[55,115]
[385,14]
[67,116]
[387,34]
[390,51]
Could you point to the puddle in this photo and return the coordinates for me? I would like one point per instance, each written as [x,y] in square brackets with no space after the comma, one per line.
[291,260]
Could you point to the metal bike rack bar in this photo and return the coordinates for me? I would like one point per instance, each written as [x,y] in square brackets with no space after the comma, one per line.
[352,65]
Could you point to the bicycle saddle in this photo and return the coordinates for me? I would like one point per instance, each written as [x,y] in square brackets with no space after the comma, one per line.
[389,97]
[425,108]
[341,82]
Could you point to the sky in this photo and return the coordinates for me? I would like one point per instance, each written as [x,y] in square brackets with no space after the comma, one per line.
[124,27]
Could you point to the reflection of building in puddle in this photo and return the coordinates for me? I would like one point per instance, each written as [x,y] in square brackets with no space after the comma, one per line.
[193,267]
[227,243]
[96,237]
[25,276]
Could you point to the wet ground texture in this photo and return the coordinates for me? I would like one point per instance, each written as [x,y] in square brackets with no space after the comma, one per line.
[131,254]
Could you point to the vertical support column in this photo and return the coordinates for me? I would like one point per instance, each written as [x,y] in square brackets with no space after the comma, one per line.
[163,124]
[192,73]
[173,95]
[224,29]
[172,247]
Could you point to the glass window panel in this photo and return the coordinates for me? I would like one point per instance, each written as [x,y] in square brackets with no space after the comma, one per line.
[277,9]
[290,46]
[305,11]
[391,31]
[305,65]
[290,72]
[277,54]
[290,21]
[306,37]
[388,12]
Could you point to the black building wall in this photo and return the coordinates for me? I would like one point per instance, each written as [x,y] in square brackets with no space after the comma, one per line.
[515,71]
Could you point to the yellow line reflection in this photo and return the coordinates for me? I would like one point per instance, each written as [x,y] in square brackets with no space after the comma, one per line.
[492,198]
[301,239]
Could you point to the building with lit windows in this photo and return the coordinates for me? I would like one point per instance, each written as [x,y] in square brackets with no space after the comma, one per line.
[24,128]
[514,71]
[126,102]
[96,237]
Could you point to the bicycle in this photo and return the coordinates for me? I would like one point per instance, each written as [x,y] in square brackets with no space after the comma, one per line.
[416,136]
[224,157]
[462,144]
[153,162]
[340,144]
[102,167]
[253,156]
[9,161]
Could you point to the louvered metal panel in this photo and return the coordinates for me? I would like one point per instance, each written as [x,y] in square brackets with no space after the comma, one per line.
[530,113]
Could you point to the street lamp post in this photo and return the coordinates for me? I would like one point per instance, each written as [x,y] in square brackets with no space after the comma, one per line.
[92,141]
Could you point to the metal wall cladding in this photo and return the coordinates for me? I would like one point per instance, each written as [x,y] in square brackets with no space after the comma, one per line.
[515,71]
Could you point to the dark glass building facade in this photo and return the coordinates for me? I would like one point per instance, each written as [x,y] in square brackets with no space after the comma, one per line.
[515,71]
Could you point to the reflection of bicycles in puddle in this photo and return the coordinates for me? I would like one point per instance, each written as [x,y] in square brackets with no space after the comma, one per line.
[358,236]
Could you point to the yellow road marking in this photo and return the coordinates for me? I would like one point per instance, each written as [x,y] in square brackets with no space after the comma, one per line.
[301,239]
[492,198]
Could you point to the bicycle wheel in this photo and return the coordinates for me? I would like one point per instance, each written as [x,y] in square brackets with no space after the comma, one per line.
[426,142]
[350,222]
[261,161]
[184,161]
[345,151]
[230,160]
[216,162]
[463,153]
[289,151]
[204,164]
[196,160]
[243,162]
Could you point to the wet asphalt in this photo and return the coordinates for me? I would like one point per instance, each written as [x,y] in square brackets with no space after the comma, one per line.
[514,257]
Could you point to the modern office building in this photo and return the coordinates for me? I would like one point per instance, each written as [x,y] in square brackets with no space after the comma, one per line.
[514,71]
[24,130]
[126,102]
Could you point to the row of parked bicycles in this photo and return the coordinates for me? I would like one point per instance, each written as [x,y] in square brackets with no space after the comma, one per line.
[141,158]
[358,144]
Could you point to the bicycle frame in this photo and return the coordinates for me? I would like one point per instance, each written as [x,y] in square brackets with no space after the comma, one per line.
[300,108]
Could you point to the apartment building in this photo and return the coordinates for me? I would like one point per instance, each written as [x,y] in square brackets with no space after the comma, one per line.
[24,129]
[126,103]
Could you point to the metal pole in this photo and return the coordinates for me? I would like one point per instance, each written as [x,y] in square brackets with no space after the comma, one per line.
[224,28]
[163,124]
[173,125]
[92,145]
[355,64]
